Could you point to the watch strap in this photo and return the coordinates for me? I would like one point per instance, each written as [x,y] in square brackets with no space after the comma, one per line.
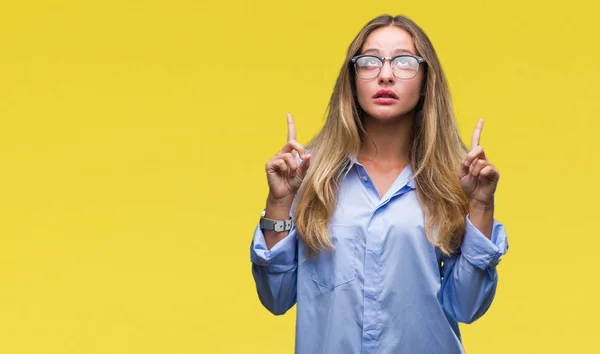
[275,225]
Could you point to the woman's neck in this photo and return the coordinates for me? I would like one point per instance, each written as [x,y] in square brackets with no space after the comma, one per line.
[387,143]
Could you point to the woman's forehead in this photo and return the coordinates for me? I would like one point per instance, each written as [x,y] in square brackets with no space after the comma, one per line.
[389,40]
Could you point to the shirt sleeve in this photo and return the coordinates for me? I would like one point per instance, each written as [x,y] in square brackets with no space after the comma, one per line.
[275,270]
[470,278]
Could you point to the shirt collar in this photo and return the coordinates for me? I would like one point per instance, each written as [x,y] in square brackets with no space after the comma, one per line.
[407,173]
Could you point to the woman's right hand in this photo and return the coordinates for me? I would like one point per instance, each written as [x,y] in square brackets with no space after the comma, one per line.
[284,174]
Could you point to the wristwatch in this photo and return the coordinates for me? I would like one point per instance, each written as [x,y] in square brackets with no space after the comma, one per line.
[274,225]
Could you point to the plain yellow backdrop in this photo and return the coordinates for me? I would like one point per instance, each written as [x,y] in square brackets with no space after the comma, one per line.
[133,138]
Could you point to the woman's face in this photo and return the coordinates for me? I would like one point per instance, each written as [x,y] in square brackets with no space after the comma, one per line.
[378,104]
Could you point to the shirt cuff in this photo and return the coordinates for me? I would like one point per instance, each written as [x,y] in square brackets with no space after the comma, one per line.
[480,251]
[280,258]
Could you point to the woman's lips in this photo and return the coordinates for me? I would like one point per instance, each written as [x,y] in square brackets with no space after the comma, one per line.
[385,100]
[385,97]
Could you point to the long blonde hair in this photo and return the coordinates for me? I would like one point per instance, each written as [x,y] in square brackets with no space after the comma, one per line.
[436,152]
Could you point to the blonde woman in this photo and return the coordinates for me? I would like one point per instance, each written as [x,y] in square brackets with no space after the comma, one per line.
[382,229]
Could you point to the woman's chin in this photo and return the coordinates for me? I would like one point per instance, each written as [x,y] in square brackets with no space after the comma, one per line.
[386,114]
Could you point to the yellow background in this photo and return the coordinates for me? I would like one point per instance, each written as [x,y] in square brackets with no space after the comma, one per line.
[133,137]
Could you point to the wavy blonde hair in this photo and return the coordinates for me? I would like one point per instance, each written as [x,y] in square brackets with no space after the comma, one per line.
[436,150]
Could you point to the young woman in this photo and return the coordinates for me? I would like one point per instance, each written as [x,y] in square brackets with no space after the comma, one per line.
[382,230]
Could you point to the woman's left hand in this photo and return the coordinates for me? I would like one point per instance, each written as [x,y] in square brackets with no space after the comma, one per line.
[478,176]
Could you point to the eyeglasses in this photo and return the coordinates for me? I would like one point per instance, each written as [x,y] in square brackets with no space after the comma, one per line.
[404,67]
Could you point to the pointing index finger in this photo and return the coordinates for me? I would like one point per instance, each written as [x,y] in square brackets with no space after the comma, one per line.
[477,134]
[291,128]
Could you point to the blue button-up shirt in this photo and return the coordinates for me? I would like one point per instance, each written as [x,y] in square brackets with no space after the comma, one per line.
[384,288]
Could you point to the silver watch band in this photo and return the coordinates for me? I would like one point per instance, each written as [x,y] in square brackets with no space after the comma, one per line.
[275,225]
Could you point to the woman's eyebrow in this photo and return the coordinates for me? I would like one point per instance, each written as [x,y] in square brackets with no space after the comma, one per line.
[400,50]
[394,52]
[371,50]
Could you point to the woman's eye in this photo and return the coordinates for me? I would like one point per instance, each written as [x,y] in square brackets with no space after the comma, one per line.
[405,63]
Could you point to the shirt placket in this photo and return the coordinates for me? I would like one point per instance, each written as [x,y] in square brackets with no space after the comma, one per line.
[372,277]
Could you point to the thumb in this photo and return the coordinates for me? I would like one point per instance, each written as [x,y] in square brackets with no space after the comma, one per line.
[303,168]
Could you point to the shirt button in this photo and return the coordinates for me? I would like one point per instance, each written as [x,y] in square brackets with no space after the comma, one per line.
[365,178]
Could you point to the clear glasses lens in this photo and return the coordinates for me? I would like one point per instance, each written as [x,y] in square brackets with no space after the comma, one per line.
[368,67]
[405,67]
